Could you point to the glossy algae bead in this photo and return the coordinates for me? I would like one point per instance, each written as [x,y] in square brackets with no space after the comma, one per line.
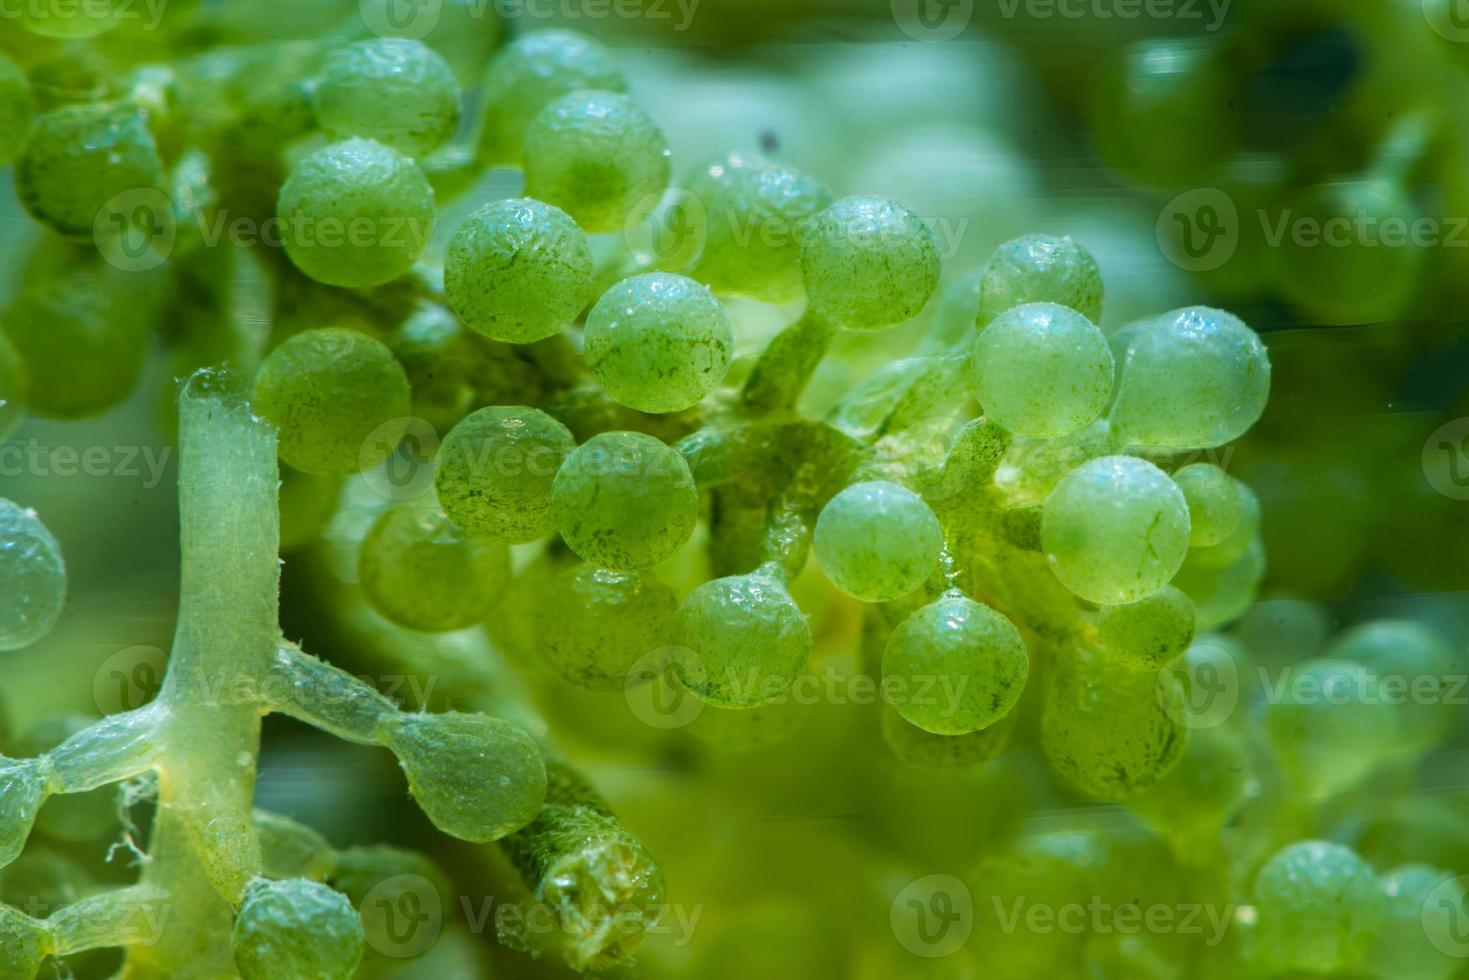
[598,156]
[396,91]
[327,391]
[1215,506]
[624,500]
[916,747]
[754,215]
[32,577]
[81,157]
[421,571]
[355,214]
[477,778]
[659,342]
[1203,791]
[1040,269]
[1042,370]
[1318,907]
[518,271]
[869,263]
[1417,668]
[1422,907]
[1193,379]
[287,930]
[1149,633]
[1331,725]
[954,667]
[531,72]
[596,624]
[1115,530]
[878,541]
[1109,730]
[17,110]
[744,639]
[496,472]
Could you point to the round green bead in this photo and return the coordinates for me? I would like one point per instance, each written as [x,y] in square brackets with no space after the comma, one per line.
[531,72]
[596,624]
[79,159]
[745,641]
[659,342]
[1040,269]
[32,577]
[869,263]
[1317,906]
[598,156]
[1330,725]
[287,930]
[1042,370]
[954,667]
[878,541]
[1417,670]
[1115,530]
[624,500]
[496,472]
[1215,506]
[1149,633]
[328,391]
[422,572]
[1421,905]
[355,214]
[518,271]
[396,91]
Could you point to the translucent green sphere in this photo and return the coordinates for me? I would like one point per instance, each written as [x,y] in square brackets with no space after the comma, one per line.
[421,571]
[596,624]
[328,391]
[1042,370]
[658,342]
[1317,906]
[32,577]
[518,271]
[82,158]
[1040,269]
[745,640]
[1151,632]
[532,71]
[1193,379]
[1115,530]
[496,470]
[624,500]
[399,92]
[869,263]
[355,214]
[878,541]
[954,667]
[1215,506]
[286,930]
[598,156]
